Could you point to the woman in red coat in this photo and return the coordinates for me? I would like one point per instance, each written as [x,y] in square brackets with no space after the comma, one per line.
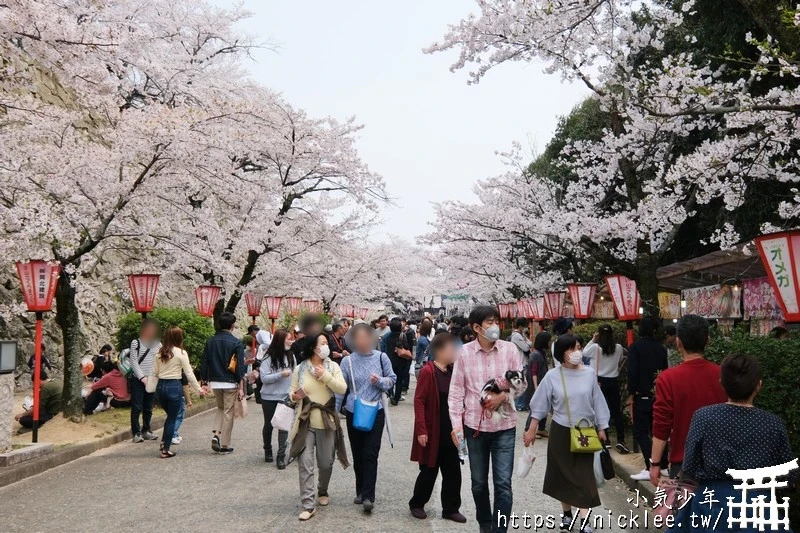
[433,447]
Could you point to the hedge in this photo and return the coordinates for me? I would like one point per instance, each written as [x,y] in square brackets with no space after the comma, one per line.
[196,329]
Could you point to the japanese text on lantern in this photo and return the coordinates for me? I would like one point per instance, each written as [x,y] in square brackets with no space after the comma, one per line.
[776,253]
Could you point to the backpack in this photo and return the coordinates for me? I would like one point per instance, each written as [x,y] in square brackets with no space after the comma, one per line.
[124,363]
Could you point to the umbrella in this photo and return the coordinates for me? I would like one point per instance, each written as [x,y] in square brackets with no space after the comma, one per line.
[385,405]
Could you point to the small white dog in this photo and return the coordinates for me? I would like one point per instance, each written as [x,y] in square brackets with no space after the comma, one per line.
[514,383]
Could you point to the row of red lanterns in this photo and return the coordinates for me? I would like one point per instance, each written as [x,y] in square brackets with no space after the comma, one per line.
[351,311]
[624,295]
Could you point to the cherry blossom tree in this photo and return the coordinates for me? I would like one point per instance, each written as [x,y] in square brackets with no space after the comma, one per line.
[683,133]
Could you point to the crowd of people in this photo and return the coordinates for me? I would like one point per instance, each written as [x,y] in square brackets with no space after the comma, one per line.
[688,413]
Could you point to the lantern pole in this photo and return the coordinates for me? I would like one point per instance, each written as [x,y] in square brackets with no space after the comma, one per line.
[37,373]
[253,342]
[629,325]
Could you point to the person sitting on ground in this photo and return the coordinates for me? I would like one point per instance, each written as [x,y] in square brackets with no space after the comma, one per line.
[49,401]
[111,390]
[98,360]
[733,435]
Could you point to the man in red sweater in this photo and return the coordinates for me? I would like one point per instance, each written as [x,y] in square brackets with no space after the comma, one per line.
[682,390]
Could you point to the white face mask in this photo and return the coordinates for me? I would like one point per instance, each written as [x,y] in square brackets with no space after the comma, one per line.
[324,351]
[575,358]
[492,333]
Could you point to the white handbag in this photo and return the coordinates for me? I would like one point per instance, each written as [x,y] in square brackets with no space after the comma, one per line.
[152,384]
[283,419]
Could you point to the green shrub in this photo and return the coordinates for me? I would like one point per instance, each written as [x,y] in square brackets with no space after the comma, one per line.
[780,367]
[196,329]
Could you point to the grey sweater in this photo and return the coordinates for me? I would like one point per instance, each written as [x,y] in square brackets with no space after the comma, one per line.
[585,398]
[274,386]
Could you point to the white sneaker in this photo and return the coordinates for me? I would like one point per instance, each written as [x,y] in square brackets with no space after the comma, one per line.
[177,440]
[644,475]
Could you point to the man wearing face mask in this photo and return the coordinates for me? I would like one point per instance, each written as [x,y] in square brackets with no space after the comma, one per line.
[488,438]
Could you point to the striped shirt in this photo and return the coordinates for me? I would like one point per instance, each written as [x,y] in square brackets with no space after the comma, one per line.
[138,349]
[471,371]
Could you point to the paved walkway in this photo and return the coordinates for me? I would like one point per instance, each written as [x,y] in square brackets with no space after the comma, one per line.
[128,487]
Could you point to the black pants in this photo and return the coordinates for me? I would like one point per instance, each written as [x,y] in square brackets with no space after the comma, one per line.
[401,368]
[27,421]
[642,428]
[268,407]
[610,389]
[141,404]
[450,466]
[97,397]
[366,445]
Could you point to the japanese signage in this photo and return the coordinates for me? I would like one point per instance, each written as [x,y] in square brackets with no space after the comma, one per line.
[759,300]
[669,305]
[38,280]
[714,301]
[778,256]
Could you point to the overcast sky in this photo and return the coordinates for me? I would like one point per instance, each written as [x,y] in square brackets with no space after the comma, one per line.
[428,133]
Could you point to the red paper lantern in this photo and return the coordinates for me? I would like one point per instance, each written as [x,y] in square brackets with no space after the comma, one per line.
[780,254]
[294,303]
[539,308]
[39,280]
[143,290]
[254,301]
[273,306]
[625,297]
[555,303]
[207,297]
[520,308]
[582,296]
[528,304]
[504,310]
[363,313]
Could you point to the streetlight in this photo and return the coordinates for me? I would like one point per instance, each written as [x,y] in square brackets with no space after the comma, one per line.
[582,296]
[294,303]
[38,280]
[143,290]
[254,301]
[207,297]
[273,309]
[626,300]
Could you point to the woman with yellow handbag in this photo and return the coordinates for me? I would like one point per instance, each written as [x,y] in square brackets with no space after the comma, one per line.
[580,418]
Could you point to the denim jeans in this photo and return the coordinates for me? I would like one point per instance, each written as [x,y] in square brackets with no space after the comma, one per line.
[141,404]
[499,448]
[181,413]
[170,395]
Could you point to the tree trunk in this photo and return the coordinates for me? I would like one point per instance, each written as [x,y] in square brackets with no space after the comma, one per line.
[647,283]
[69,320]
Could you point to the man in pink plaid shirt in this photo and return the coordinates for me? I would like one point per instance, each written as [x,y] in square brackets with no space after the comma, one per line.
[492,438]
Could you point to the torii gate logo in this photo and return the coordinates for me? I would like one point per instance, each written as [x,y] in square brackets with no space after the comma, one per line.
[760,512]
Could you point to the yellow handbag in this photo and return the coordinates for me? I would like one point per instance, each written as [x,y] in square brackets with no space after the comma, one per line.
[582,439]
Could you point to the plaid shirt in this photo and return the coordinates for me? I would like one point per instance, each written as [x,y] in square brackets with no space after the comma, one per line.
[471,371]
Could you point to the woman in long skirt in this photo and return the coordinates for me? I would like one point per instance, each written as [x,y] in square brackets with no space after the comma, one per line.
[572,392]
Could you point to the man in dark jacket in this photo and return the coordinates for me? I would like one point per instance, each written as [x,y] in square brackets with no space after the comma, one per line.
[222,369]
[646,358]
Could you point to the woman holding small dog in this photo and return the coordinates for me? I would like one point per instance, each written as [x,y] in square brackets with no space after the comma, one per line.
[432,447]
[572,392]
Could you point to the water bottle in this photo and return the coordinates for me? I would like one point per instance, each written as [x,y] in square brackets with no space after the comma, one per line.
[463,454]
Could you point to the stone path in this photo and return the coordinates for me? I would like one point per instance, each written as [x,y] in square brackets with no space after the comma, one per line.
[128,487]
